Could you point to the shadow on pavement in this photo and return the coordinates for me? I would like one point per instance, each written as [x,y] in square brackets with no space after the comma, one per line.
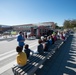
[8,39]
[63,62]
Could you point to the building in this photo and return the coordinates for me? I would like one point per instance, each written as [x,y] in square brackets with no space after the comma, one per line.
[37,30]
[4,28]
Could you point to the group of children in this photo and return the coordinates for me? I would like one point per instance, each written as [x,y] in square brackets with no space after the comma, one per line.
[46,42]
[44,46]
[22,55]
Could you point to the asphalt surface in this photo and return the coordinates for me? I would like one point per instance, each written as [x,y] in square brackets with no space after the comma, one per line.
[8,53]
[63,62]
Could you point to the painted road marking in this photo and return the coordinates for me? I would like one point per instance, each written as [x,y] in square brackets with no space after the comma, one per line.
[6,67]
[14,52]
[1,55]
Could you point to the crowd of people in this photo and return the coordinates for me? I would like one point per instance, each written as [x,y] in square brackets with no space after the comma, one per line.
[44,46]
[46,42]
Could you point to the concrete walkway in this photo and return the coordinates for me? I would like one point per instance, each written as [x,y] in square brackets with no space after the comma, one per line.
[63,62]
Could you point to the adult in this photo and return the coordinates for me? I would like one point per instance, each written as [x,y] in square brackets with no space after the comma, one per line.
[21,39]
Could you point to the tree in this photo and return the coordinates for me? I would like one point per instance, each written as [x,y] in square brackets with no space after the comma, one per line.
[66,24]
[69,24]
[73,23]
[56,26]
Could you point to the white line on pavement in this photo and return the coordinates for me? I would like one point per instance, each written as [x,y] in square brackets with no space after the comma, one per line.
[9,55]
[1,55]
[6,67]
[9,65]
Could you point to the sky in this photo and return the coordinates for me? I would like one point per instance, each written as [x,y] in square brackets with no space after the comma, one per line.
[18,12]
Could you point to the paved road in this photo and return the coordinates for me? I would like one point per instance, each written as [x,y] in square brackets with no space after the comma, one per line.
[8,53]
[8,45]
[63,62]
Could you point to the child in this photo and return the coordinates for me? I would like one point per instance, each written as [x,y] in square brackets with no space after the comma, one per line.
[40,47]
[27,50]
[21,57]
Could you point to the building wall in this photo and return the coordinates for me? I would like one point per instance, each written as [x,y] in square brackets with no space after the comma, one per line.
[35,29]
[3,29]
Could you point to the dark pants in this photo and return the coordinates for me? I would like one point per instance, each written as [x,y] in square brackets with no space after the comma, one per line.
[21,47]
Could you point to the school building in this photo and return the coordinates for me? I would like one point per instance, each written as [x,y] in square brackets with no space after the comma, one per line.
[37,29]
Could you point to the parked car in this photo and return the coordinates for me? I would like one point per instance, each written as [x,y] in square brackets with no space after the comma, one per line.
[31,38]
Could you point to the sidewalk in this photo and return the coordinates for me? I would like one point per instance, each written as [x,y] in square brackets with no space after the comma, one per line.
[63,62]
[7,37]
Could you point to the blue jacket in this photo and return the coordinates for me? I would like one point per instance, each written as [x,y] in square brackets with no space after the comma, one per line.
[21,40]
